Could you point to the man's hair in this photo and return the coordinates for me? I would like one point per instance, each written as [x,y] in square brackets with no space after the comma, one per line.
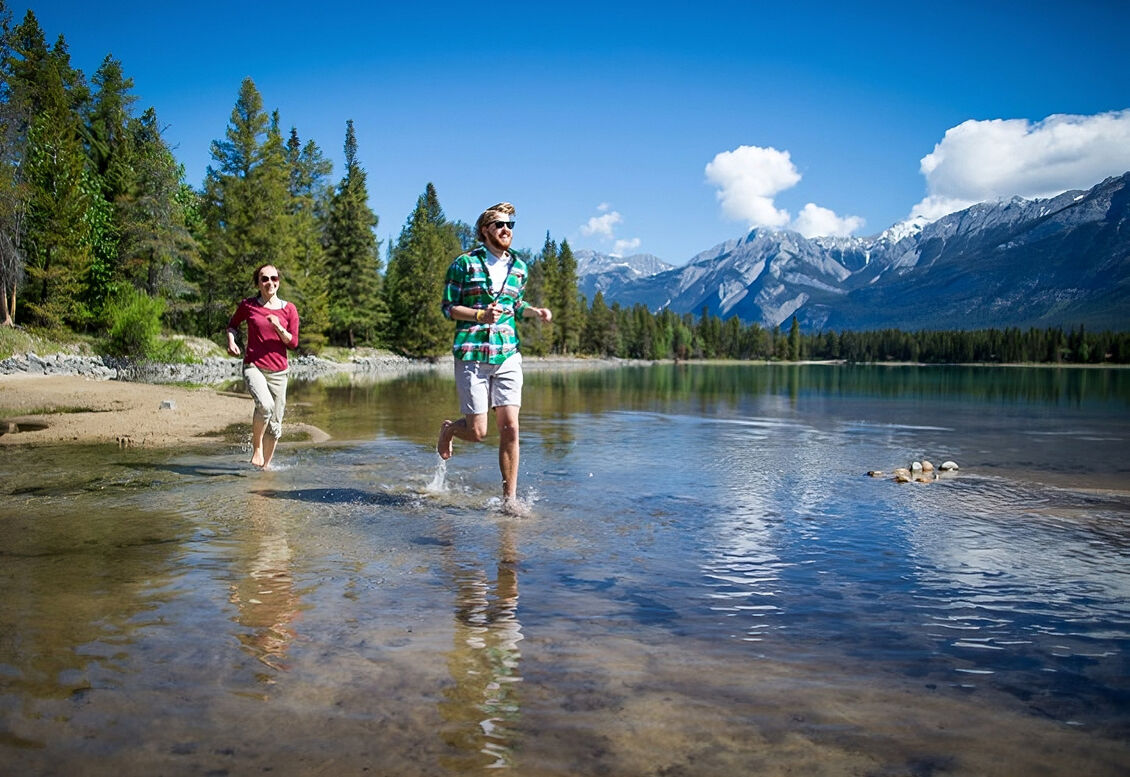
[493,213]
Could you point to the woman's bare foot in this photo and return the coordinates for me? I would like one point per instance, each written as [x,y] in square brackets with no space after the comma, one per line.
[513,506]
[444,444]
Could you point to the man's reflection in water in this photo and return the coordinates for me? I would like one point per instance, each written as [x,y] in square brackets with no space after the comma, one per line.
[484,661]
[265,596]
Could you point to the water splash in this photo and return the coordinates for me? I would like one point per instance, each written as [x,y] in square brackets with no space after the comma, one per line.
[438,485]
[515,506]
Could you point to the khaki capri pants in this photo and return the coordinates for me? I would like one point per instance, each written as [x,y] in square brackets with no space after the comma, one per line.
[268,389]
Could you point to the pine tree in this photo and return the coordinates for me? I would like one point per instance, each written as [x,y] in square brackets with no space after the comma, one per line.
[114,169]
[353,264]
[601,336]
[58,251]
[245,208]
[536,336]
[155,244]
[309,204]
[416,274]
[107,128]
[43,188]
[567,313]
[276,233]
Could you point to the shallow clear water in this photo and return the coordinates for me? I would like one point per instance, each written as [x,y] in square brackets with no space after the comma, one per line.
[709,584]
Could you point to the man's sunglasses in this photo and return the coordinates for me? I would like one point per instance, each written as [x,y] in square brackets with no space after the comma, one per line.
[501,224]
[265,278]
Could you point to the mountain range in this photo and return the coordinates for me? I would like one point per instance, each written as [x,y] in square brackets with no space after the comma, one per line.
[1061,261]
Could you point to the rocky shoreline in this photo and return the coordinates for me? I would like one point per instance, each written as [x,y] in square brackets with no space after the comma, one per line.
[212,370]
[208,371]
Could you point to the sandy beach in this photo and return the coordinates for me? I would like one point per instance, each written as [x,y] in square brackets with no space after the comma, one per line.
[55,409]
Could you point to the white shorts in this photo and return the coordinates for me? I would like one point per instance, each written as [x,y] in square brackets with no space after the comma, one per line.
[482,386]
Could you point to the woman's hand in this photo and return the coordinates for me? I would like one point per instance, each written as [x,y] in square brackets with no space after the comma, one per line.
[274,321]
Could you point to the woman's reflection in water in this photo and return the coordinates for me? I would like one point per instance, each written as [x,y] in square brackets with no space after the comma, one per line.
[265,598]
[483,701]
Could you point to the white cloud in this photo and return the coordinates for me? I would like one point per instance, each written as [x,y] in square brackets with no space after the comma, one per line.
[601,225]
[979,161]
[604,228]
[815,221]
[748,178]
[623,246]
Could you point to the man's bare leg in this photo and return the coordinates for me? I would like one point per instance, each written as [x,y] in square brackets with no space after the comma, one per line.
[472,428]
[506,416]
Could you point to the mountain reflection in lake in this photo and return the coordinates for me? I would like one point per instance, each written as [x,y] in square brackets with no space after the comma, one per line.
[710,584]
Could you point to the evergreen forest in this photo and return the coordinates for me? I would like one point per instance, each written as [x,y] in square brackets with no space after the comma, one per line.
[102,236]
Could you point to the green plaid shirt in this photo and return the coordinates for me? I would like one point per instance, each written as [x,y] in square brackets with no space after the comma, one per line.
[468,283]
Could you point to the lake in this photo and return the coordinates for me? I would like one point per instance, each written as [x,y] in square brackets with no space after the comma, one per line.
[709,583]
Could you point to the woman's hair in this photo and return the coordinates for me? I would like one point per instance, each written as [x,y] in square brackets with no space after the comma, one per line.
[491,214]
[259,269]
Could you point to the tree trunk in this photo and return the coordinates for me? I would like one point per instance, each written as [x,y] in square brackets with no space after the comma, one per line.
[7,307]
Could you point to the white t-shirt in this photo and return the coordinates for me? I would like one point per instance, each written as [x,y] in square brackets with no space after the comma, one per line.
[497,269]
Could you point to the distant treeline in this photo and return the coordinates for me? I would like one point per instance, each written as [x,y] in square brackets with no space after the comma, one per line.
[638,334]
[101,235]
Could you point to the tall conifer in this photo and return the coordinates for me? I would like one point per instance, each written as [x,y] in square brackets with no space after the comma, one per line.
[245,208]
[230,211]
[309,203]
[57,239]
[155,244]
[568,315]
[414,285]
[357,312]
[537,337]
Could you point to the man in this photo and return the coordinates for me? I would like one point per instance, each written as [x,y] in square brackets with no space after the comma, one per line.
[484,295]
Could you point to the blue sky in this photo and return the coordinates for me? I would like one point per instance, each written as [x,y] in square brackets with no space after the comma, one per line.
[662,128]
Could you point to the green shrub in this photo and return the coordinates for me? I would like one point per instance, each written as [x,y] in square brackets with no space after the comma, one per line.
[134,325]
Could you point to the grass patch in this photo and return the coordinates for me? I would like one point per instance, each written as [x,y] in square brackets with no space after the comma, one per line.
[169,349]
[195,349]
[19,411]
[20,340]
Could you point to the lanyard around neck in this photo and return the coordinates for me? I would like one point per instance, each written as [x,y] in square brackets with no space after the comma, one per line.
[495,296]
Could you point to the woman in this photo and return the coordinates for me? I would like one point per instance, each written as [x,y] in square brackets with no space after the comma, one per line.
[272,327]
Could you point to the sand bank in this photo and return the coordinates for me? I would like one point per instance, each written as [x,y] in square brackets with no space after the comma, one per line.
[54,409]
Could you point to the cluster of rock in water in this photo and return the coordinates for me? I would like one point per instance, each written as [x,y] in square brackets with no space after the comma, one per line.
[918,472]
[212,369]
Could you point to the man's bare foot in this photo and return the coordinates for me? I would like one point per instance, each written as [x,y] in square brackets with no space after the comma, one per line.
[257,459]
[444,444]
